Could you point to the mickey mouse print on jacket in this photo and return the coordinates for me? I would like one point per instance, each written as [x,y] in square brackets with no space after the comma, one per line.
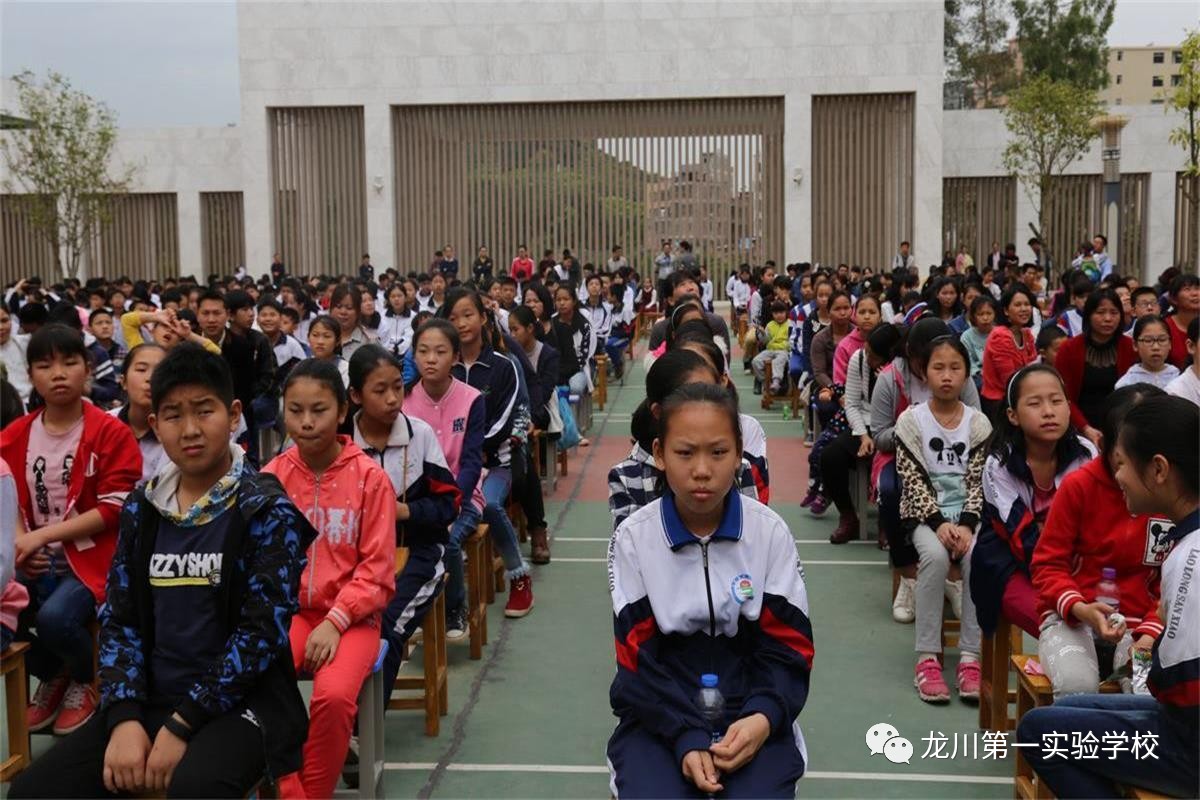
[941,470]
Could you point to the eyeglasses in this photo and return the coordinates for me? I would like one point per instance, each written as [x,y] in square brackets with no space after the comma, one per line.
[1155,341]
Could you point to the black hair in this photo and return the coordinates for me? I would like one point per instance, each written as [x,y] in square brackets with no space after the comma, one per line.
[524,315]
[707,393]
[55,340]
[1081,284]
[1093,302]
[885,341]
[873,298]
[679,276]
[189,364]
[325,372]
[1167,426]
[1008,438]
[931,297]
[99,312]
[64,313]
[270,302]
[983,300]
[326,321]
[11,406]
[918,338]
[132,354]
[213,295]
[1119,404]
[1182,281]
[954,343]
[543,294]
[366,360]
[1193,331]
[1149,319]
[664,376]
[237,300]
[1011,293]
[780,307]
[1049,335]
[171,296]
[442,326]
[343,291]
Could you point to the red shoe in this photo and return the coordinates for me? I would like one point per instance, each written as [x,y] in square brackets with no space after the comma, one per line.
[931,686]
[78,707]
[966,678]
[520,597]
[847,529]
[47,700]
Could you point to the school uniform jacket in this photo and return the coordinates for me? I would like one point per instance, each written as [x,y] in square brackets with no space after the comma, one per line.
[1175,670]
[1009,531]
[733,604]
[107,465]
[496,378]
[413,460]
[352,563]
[1089,528]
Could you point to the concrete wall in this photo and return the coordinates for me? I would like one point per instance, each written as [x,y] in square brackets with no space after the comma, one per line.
[381,54]
[975,140]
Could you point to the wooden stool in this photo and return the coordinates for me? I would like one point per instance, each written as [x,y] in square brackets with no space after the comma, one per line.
[485,566]
[795,400]
[1035,691]
[601,392]
[994,694]
[478,584]
[561,456]
[16,698]
[767,397]
[1138,793]
[950,627]
[516,515]
[860,488]
[433,696]
[495,566]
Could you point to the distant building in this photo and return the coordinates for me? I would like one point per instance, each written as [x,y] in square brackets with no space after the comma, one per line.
[696,203]
[1142,75]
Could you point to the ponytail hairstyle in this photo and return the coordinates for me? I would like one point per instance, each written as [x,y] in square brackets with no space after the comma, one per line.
[666,375]
[1007,438]
[323,372]
[702,341]
[917,341]
[457,295]
[1167,426]
[524,315]
[710,394]
[1120,403]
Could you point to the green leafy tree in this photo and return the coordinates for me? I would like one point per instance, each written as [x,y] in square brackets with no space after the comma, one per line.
[1185,99]
[1065,41]
[982,51]
[58,165]
[1050,127]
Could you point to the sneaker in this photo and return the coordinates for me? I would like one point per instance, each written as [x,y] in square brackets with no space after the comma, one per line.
[813,494]
[819,505]
[966,679]
[931,686]
[775,387]
[520,597]
[456,625]
[847,529]
[350,767]
[43,709]
[78,706]
[953,592]
[757,386]
[904,607]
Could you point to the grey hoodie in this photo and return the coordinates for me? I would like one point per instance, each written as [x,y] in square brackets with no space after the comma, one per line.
[885,402]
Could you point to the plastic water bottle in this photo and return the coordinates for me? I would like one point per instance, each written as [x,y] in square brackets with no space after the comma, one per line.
[1107,591]
[712,705]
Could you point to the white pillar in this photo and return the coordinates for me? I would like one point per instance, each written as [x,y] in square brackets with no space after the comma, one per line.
[256,187]
[187,208]
[1160,231]
[1026,216]
[797,200]
[380,188]
[927,175]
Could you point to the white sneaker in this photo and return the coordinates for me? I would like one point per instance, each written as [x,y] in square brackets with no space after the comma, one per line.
[904,607]
[953,592]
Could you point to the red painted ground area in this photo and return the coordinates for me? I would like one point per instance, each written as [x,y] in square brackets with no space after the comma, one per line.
[788,462]
[603,452]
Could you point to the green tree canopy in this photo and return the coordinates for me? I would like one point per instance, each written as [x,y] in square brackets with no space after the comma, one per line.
[1065,41]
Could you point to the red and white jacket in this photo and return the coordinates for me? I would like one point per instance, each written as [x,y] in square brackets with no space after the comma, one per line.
[1089,528]
[352,505]
[94,485]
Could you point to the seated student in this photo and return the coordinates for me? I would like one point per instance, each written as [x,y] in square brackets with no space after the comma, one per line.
[135,380]
[776,350]
[287,348]
[1152,342]
[1009,347]
[636,481]
[940,449]
[576,348]
[76,464]
[210,681]
[100,324]
[621,330]
[1184,294]
[1034,449]
[982,315]
[672,623]
[1158,475]
[1070,321]
[541,389]
[323,333]
[349,501]
[1187,385]
[427,499]
[1087,532]
[1049,339]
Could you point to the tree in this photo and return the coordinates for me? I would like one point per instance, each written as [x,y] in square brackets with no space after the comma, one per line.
[1065,41]
[1186,100]
[58,165]
[1050,127]
[983,54]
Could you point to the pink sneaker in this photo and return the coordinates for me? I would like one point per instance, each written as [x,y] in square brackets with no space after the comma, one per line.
[812,495]
[46,702]
[931,686]
[819,505]
[966,678]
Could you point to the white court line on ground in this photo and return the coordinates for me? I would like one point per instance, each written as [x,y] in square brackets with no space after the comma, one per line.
[605,539]
[590,769]
[806,562]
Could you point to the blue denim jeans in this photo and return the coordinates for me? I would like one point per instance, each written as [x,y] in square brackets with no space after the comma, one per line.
[456,584]
[60,608]
[578,384]
[495,492]
[1173,769]
[615,347]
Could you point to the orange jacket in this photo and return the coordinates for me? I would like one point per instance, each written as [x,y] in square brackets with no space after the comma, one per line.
[352,562]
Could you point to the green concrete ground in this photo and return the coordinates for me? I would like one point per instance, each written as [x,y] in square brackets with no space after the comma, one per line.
[532,718]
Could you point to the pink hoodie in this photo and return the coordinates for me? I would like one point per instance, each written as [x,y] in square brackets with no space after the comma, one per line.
[850,344]
[352,563]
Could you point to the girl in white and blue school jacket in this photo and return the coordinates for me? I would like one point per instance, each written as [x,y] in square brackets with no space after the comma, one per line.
[706,581]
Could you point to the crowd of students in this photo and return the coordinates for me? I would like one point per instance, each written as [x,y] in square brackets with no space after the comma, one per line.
[989,411]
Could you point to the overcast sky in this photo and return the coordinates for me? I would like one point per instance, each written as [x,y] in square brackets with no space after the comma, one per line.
[175,63]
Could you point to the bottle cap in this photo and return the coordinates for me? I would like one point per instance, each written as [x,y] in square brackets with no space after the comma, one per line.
[1108,573]
[708,680]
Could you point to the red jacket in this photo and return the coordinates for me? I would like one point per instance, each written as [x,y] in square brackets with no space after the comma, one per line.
[107,465]
[1069,363]
[352,562]
[1002,358]
[1088,529]
[1179,354]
